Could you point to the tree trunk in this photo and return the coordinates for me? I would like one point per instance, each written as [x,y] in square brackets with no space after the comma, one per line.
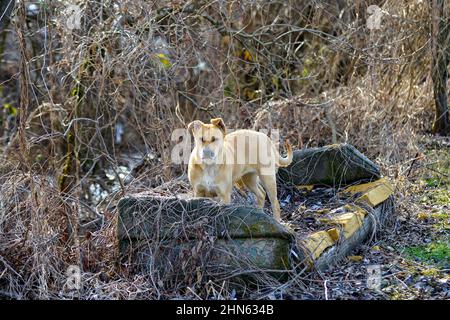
[440,58]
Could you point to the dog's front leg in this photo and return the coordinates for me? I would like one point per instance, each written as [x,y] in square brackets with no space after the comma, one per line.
[225,195]
[199,193]
[270,185]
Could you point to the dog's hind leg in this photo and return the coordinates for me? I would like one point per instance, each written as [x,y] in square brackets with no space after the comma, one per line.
[240,186]
[225,194]
[270,184]
[251,181]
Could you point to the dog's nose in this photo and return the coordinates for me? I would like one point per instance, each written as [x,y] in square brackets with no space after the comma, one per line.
[208,154]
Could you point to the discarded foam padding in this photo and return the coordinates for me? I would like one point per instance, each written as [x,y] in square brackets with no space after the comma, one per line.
[317,242]
[324,248]
[373,193]
[349,222]
[153,227]
[333,165]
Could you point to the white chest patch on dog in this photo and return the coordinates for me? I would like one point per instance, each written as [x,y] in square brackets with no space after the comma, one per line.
[209,180]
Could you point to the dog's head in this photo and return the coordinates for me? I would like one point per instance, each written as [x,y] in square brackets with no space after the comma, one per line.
[208,139]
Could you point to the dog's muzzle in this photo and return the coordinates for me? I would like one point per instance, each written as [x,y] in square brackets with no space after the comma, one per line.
[208,154]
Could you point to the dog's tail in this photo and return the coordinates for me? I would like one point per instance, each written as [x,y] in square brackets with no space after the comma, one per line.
[285,161]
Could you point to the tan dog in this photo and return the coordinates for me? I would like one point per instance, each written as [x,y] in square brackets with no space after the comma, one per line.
[243,158]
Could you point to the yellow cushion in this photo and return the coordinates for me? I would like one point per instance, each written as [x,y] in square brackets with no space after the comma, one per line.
[373,193]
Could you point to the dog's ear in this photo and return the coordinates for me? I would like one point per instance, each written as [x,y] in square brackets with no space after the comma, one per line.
[218,122]
[195,125]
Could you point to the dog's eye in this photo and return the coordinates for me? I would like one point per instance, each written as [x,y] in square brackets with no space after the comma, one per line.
[213,139]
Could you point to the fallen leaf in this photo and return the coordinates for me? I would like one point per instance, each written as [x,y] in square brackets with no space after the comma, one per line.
[354,258]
